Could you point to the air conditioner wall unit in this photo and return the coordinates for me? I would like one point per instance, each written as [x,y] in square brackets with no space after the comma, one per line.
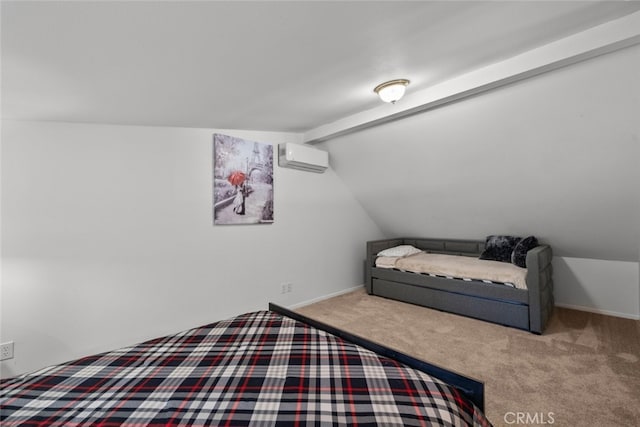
[302,157]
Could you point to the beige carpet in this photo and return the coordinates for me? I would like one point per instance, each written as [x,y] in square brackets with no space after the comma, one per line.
[583,371]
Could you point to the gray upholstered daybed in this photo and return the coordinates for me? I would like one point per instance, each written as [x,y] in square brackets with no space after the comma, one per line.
[527,309]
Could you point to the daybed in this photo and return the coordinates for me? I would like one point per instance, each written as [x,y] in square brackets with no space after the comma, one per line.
[527,309]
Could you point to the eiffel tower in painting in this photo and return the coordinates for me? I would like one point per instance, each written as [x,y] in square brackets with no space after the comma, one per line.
[256,162]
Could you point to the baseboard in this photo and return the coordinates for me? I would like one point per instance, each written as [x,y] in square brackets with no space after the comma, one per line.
[598,311]
[324,297]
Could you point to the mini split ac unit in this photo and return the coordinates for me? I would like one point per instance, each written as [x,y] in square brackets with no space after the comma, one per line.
[302,157]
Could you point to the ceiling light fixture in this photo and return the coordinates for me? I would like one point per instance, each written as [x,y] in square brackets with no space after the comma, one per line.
[392,90]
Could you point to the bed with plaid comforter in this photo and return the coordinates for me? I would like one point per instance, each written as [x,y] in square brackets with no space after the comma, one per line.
[258,369]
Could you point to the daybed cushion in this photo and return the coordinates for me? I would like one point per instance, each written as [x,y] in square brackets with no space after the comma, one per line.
[519,254]
[499,248]
[399,251]
[464,267]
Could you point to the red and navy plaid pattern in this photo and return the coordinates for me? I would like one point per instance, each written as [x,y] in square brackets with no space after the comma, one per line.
[258,369]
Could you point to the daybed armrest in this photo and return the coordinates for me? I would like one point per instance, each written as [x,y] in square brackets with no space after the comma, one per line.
[540,285]
[373,247]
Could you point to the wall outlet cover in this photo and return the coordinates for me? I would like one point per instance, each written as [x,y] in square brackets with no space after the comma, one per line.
[6,350]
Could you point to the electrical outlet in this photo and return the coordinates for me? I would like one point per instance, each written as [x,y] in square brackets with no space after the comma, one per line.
[289,287]
[6,350]
[285,288]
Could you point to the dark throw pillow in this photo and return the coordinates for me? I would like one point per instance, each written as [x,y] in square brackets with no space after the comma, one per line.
[499,248]
[519,254]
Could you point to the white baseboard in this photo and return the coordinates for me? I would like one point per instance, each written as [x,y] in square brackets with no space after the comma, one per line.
[324,297]
[598,311]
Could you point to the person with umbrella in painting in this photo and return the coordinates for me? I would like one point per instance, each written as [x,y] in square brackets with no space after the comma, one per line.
[237,178]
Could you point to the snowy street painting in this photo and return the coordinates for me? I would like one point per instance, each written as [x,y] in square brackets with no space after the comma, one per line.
[242,181]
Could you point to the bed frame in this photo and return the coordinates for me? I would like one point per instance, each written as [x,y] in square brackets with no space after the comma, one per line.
[470,388]
[528,309]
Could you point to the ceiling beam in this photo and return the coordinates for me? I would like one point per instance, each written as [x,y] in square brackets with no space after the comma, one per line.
[596,41]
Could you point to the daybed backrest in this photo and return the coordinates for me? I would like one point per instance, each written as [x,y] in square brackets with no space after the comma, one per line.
[375,246]
[471,248]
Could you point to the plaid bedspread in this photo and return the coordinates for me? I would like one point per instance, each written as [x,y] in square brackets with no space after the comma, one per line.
[258,369]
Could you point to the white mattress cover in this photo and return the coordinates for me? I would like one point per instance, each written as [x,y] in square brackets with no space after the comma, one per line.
[463,267]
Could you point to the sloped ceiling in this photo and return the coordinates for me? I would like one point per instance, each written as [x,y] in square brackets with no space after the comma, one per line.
[281,66]
[556,156]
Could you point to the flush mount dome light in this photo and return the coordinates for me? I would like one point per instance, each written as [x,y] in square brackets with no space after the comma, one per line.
[391,91]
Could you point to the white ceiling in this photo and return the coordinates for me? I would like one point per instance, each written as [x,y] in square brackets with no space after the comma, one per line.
[281,66]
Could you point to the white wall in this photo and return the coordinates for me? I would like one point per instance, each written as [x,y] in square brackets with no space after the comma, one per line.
[556,156]
[599,286]
[108,238]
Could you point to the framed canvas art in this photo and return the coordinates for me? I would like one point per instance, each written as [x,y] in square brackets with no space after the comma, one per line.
[242,181]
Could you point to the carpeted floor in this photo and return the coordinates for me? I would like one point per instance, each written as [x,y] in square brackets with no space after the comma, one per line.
[583,371]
